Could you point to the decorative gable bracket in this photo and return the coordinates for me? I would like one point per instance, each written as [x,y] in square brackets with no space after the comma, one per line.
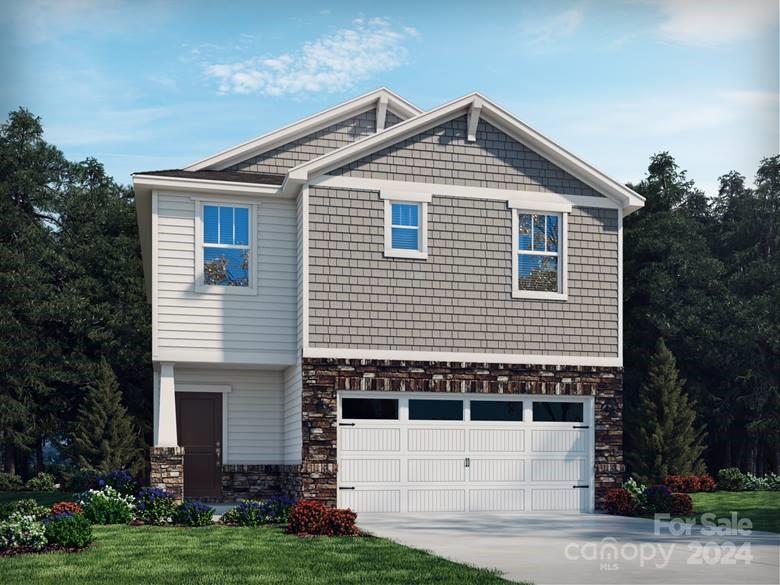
[474,112]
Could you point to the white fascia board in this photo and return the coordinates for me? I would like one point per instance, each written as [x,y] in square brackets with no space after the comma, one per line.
[308,125]
[204,185]
[627,199]
[446,356]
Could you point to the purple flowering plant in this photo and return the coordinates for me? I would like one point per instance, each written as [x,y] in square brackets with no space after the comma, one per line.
[194,514]
[120,479]
[658,498]
[155,505]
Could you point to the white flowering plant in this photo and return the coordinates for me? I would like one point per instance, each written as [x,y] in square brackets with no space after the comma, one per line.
[107,506]
[22,531]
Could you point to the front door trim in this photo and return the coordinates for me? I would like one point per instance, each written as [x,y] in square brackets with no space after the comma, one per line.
[218,399]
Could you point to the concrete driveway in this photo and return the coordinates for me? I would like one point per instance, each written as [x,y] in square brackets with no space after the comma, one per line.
[570,548]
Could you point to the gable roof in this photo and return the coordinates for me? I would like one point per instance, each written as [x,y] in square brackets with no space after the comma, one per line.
[476,106]
[383,99]
[229,176]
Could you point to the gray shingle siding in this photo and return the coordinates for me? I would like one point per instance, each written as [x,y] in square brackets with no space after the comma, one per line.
[285,157]
[459,299]
[442,155]
[391,119]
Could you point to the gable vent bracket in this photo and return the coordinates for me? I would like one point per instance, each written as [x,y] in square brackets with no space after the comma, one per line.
[381,113]
[474,112]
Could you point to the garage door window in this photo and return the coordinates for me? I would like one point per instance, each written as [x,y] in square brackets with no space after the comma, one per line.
[499,410]
[370,408]
[558,412]
[435,409]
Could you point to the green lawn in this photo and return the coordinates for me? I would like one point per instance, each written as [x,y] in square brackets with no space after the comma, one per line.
[43,498]
[763,508]
[227,555]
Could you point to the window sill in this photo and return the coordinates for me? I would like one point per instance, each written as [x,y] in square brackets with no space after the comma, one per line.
[225,290]
[539,295]
[407,254]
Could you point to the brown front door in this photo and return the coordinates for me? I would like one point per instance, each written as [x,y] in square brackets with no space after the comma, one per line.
[199,427]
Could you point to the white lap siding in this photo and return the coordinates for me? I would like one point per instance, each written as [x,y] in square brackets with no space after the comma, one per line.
[255,411]
[198,327]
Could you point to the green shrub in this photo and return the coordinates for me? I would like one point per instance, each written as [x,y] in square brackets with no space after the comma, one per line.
[772,482]
[28,507]
[107,506]
[731,479]
[68,530]
[20,531]
[9,482]
[155,505]
[194,514]
[42,482]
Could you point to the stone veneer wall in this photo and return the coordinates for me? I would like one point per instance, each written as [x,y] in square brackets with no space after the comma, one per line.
[322,378]
[259,481]
[167,470]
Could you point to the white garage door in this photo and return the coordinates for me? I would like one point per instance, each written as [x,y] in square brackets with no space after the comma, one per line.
[465,453]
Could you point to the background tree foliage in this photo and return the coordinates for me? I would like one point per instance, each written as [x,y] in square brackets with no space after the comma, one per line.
[72,282]
[704,275]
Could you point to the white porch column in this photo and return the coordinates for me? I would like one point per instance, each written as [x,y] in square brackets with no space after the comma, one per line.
[165,408]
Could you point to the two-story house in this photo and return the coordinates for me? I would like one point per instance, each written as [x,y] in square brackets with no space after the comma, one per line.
[391,310]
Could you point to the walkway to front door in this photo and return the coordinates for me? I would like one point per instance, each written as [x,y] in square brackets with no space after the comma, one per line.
[199,428]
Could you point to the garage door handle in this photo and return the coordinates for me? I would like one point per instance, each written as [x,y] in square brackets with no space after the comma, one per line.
[346,424]
[579,487]
[346,488]
[581,427]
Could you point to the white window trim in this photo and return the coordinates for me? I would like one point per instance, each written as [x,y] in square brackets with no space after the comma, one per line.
[563,269]
[422,232]
[202,288]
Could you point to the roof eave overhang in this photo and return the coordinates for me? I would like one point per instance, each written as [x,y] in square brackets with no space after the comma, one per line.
[395,103]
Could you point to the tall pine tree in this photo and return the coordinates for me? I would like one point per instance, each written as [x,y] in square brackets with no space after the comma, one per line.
[104,436]
[665,438]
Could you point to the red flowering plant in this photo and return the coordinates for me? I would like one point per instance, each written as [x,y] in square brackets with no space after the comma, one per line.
[314,518]
[681,505]
[619,502]
[688,484]
[66,508]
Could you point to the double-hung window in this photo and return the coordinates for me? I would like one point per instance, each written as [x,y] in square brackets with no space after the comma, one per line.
[406,231]
[224,248]
[538,250]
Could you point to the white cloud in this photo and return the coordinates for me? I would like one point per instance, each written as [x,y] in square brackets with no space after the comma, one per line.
[328,64]
[714,22]
[553,29]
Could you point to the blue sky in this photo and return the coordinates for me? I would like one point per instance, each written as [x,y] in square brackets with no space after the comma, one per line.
[151,85]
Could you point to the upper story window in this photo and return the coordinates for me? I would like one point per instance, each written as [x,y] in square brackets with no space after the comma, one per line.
[225,252]
[406,229]
[538,262]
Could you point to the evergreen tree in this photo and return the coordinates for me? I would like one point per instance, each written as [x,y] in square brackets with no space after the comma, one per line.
[665,438]
[104,436]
